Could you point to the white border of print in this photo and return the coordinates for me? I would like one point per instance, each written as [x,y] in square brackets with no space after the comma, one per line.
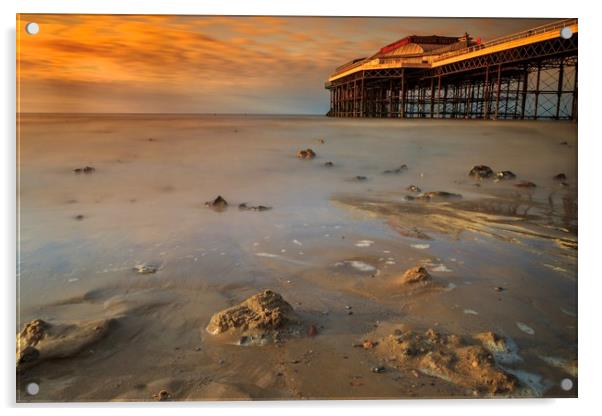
[590,140]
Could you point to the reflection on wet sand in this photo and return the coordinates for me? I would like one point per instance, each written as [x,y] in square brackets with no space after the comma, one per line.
[420,281]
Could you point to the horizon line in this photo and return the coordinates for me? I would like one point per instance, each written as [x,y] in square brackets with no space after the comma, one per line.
[175,113]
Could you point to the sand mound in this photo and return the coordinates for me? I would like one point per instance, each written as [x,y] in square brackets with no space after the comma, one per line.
[447,357]
[264,311]
[41,340]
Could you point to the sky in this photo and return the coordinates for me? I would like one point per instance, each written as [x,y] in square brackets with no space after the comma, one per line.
[206,64]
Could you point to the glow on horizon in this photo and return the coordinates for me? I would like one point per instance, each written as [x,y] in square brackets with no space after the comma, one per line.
[206,64]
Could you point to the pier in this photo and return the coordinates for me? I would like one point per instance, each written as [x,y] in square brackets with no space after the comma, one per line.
[528,75]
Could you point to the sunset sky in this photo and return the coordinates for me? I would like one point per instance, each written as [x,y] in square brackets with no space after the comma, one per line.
[206,64]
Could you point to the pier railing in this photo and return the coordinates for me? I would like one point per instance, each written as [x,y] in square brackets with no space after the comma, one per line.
[349,66]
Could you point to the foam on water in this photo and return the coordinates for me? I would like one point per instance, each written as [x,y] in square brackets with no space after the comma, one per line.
[525,328]
[364,243]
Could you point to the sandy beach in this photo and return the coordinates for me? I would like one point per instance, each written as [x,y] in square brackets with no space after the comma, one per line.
[132,245]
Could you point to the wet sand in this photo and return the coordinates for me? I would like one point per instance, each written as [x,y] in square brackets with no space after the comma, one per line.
[332,245]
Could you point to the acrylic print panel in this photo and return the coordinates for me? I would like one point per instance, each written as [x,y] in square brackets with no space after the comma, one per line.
[220,208]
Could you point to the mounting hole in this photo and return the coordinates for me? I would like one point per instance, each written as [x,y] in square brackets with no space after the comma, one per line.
[566,384]
[32,28]
[566,33]
[32,389]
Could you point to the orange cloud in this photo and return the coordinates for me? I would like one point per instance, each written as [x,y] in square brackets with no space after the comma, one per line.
[124,63]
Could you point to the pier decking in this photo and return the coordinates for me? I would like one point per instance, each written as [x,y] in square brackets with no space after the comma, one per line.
[526,75]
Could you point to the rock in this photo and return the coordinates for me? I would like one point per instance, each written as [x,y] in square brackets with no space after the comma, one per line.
[481,171]
[368,344]
[499,289]
[397,170]
[505,175]
[87,169]
[245,207]
[560,177]
[525,184]
[78,217]
[438,195]
[492,341]
[40,340]
[378,370]
[360,178]
[264,311]
[218,204]
[504,350]
[413,188]
[447,357]
[416,274]
[306,154]
[162,396]
[28,355]
[245,340]
[146,268]
[329,164]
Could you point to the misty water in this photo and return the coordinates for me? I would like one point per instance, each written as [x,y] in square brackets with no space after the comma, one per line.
[145,204]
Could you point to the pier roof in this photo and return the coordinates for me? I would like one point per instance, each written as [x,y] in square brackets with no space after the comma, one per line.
[432,51]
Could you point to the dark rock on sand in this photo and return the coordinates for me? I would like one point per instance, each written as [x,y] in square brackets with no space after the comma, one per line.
[218,204]
[329,164]
[413,188]
[40,340]
[525,184]
[78,217]
[87,169]
[448,357]
[306,154]
[264,311]
[438,195]
[416,274]
[560,177]
[360,178]
[397,170]
[162,396]
[481,171]
[245,207]
[505,175]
